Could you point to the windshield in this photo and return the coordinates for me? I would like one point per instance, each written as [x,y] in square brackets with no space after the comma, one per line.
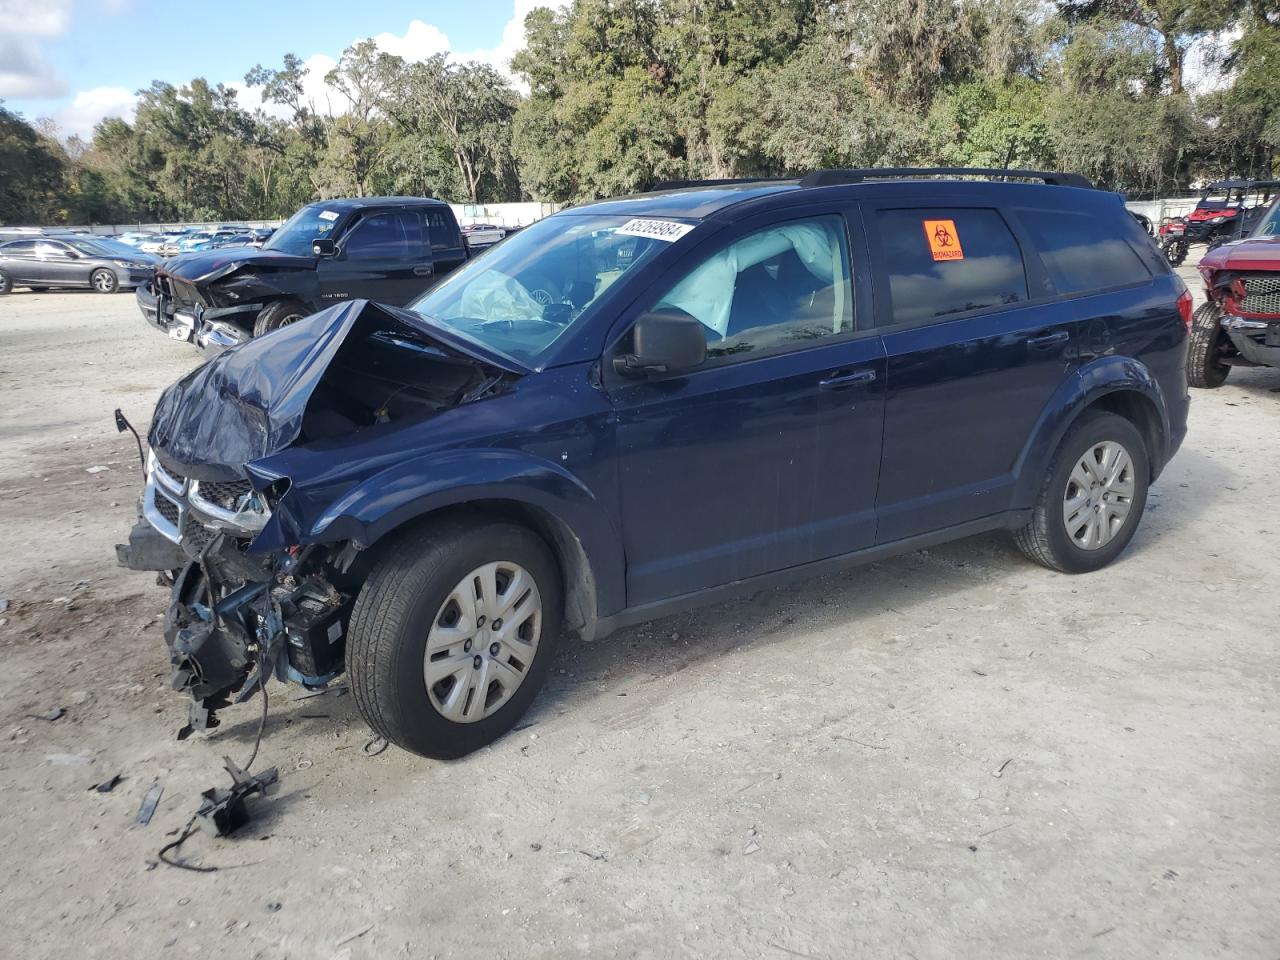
[105,247]
[1269,226]
[308,224]
[526,292]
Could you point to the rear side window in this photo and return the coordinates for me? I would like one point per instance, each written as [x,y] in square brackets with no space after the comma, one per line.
[1083,252]
[394,234]
[19,248]
[943,262]
[443,233]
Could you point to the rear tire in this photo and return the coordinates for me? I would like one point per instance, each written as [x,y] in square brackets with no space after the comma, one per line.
[6,283]
[1205,346]
[279,314]
[408,603]
[104,281]
[1055,537]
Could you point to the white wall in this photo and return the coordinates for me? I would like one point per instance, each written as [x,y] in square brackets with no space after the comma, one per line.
[1156,210]
[503,214]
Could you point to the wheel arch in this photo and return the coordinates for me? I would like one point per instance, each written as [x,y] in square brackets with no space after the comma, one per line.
[539,495]
[576,574]
[1120,385]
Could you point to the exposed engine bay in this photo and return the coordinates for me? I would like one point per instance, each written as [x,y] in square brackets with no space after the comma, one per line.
[249,601]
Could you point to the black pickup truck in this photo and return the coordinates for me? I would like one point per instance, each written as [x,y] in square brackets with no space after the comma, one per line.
[388,249]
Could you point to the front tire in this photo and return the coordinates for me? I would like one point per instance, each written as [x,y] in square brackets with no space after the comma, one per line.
[279,314]
[428,668]
[1092,497]
[6,283]
[104,281]
[1206,347]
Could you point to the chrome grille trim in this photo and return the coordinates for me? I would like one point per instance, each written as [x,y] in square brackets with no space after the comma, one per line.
[1262,295]
[198,519]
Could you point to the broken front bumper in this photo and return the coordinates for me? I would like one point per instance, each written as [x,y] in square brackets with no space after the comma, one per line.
[1257,340]
[213,329]
[234,621]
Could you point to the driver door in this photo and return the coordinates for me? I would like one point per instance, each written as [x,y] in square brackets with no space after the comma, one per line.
[58,265]
[767,456]
[385,256]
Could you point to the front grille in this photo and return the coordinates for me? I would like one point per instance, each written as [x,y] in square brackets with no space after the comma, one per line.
[196,536]
[225,495]
[167,509]
[1262,295]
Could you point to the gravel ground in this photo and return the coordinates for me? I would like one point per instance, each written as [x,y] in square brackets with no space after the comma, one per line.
[953,753]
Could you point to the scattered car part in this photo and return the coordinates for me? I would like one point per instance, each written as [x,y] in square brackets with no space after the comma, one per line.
[149,803]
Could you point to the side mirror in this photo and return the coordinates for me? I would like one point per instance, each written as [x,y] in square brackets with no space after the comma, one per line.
[323,247]
[666,342]
[71,255]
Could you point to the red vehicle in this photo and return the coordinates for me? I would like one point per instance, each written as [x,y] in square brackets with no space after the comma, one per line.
[1239,325]
[1228,210]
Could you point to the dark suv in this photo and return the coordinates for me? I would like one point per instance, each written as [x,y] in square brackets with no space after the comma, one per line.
[388,249]
[637,406]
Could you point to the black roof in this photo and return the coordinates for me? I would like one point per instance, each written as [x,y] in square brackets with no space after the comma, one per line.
[1241,185]
[357,203]
[695,200]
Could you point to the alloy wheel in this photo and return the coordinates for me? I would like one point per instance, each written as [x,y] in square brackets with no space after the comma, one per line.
[1099,495]
[104,282]
[482,641]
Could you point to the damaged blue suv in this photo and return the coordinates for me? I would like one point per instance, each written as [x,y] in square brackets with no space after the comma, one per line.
[640,405]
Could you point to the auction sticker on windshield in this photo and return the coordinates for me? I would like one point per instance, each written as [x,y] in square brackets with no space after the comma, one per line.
[655,229]
[328,215]
[944,241]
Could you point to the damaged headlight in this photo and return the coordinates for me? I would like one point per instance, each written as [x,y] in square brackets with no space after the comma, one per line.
[191,511]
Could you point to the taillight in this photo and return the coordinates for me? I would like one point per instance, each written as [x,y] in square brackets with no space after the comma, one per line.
[1186,304]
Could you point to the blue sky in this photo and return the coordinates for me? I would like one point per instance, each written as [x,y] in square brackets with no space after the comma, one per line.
[77,61]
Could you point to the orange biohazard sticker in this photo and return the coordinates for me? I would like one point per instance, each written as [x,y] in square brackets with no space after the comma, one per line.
[944,241]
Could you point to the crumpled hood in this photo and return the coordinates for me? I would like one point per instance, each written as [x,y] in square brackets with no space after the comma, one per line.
[211,264]
[249,402]
[1255,253]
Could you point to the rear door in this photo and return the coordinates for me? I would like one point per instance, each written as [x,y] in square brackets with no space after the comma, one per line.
[384,256]
[18,258]
[447,249]
[975,349]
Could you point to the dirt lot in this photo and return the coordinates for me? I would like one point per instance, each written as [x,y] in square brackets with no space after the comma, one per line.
[954,753]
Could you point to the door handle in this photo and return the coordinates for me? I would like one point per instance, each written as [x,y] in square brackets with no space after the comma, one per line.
[842,381]
[1046,340]
[424,271]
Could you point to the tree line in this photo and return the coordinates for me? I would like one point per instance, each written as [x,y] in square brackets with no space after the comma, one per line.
[617,94]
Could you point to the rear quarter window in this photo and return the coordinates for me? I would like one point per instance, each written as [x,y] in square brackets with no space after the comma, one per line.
[942,262]
[1086,252]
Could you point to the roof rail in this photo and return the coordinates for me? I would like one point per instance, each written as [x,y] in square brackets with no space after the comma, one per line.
[729,182]
[827,178]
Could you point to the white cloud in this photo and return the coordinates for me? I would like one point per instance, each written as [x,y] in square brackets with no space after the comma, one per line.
[25,72]
[92,106]
[419,41]
[50,18]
